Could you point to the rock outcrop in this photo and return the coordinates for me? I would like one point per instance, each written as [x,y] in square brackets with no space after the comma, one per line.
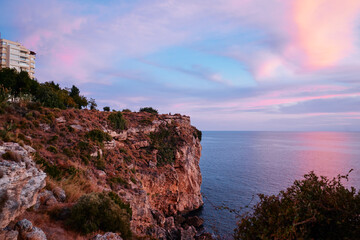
[20,181]
[152,164]
[169,190]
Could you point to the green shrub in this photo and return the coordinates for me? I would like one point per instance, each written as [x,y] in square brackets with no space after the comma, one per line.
[97,211]
[146,122]
[149,110]
[70,128]
[166,141]
[106,109]
[126,110]
[68,152]
[52,149]
[313,208]
[121,204]
[119,180]
[100,164]
[52,170]
[117,121]
[97,135]
[84,146]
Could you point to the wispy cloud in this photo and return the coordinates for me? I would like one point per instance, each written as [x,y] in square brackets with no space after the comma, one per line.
[246,59]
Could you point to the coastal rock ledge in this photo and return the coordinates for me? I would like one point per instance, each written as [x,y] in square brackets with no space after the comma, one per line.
[20,181]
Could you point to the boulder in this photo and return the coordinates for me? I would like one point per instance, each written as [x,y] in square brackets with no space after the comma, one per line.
[20,183]
[59,194]
[195,221]
[27,231]
[45,198]
[188,233]
[107,236]
[9,235]
[35,234]
[24,226]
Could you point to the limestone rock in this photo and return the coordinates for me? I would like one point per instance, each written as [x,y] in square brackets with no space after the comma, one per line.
[59,194]
[107,236]
[188,233]
[61,119]
[28,232]
[35,234]
[9,235]
[24,226]
[19,185]
[195,221]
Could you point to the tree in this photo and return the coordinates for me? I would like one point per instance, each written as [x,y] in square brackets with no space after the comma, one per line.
[106,109]
[149,110]
[81,101]
[92,104]
[313,208]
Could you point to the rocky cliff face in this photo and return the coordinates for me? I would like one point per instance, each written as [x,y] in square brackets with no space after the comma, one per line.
[169,190]
[153,163]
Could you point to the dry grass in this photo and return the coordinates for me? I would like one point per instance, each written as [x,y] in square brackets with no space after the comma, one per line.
[54,230]
[12,156]
[76,187]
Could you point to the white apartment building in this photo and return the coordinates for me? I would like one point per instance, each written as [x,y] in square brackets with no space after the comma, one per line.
[14,55]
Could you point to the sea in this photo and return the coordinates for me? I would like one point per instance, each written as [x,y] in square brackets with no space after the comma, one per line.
[236,166]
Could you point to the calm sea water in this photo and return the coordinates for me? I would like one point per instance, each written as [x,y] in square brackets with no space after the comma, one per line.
[238,165]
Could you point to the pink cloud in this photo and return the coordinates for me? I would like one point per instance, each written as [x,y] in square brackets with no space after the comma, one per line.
[325,30]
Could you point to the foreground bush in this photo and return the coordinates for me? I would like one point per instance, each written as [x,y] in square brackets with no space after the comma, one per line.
[313,208]
[97,211]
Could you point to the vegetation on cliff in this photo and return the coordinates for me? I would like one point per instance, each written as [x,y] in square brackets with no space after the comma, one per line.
[98,211]
[88,152]
[19,84]
[312,208]
[165,141]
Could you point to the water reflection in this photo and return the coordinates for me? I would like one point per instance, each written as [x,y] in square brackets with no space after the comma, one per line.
[237,165]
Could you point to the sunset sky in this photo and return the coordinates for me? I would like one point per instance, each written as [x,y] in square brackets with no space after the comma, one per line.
[229,64]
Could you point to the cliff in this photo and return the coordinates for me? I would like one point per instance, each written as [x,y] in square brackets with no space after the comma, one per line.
[152,163]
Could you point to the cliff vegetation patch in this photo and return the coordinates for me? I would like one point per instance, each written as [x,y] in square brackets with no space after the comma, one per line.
[98,211]
[166,141]
[117,121]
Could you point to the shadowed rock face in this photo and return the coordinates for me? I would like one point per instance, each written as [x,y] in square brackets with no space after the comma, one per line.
[168,190]
[20,182]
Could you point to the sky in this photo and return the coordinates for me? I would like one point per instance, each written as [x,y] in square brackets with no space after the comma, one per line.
[249,65]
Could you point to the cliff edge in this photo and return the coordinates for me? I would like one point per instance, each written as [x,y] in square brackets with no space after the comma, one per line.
[150,161]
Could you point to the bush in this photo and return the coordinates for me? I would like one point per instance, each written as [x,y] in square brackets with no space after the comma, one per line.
[106,109]
[117,121]
[149,110]
[52,149]
[97,211]
[51,169]
[126,110]
[165,141]
[98,136]
[313,208]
